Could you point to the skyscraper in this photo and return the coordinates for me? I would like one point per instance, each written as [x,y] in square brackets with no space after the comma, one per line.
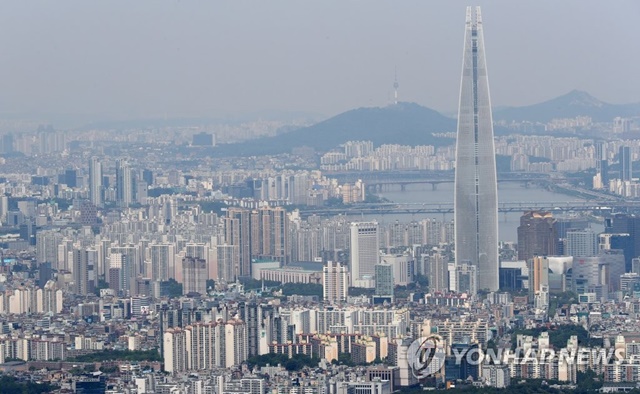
[538,274]
[476,191]
[626,224]
[537,235]
[80,271]
[124,183]
[581,243]
[71,177]
[364,253]
[626,165]
[384,281]
[95,182]
[601,179]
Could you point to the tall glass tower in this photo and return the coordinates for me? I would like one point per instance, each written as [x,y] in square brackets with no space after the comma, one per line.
[476,191]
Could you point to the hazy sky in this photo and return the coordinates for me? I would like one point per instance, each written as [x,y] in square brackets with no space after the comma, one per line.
[127,59]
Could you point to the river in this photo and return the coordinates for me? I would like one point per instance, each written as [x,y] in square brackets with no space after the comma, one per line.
[507,193]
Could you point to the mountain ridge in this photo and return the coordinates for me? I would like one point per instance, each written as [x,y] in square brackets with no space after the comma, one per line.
[413,124]
[402,123]
[570,105]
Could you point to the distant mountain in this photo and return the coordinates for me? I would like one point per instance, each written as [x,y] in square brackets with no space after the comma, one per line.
[403,123]
[570,105]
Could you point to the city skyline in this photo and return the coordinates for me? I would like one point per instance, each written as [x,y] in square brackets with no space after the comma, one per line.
[476,186]
[203,255]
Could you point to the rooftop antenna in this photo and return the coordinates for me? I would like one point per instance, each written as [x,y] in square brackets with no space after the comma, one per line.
[395,87]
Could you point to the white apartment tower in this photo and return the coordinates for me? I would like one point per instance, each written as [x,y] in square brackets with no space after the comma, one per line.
[335,282]
[175,350]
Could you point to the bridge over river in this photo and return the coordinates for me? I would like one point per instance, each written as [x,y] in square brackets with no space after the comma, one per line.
[596,206]
[378,181]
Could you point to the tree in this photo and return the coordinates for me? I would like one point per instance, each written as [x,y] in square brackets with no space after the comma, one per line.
[559,335]
[358,291]
[421,280]
[171,288]
[295,363]
[345,359]
[108,369]
[102,284]
[303,289]
[10,385]
[119,355]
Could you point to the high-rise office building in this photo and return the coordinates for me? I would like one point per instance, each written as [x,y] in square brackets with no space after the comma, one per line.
[614,268]
[599,274]
[476,191]
[513,274]
[335,282]
[635,265]
[364,253]
[538,274]
[95,182]
[537,235]
[599,154]
[466,278]
[403,267]
[601,179]
[621,242]
[71,178]
[141,191]
[626,224]
[624,157]
[581,243]
[4,207]
[384,281]
[147,176]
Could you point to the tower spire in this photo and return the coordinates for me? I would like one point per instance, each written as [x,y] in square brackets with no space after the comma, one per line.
[395,87]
